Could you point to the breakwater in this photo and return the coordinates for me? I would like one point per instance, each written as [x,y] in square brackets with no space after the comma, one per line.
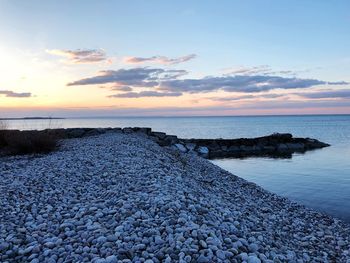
[277,145]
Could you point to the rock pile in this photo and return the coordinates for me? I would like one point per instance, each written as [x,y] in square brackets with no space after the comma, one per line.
[275,145]
[121,197]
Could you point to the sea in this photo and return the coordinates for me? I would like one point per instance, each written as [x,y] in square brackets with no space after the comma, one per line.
[318,179]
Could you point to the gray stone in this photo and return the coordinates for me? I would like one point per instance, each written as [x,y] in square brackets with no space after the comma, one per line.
[181,147]
[101,239]
[191,146]
[4,246]
[234,149]
[158,240]
[120,197]
[282,147]
[111,259]
[295,146]
[203,244]
[28,249]
[253,247]
[253,259]
[220,254]
[244,256]
[49,244]
[203,151]
[203,259]
[112,238]
[160,135]
[139,247]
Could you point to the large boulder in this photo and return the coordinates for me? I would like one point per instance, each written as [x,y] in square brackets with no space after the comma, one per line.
[191,146]
[203,151]
[160,135]
[269,148]
[246,148]
[282,148]
[171,139]
[314,144]
[145,130]
[94,132]
[282,136]
[295,147]
[75,132]
[181,147]
[234,149]
[128,130]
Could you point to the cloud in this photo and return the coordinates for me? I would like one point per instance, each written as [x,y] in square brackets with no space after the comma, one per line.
[245,97]
[164,82]
[338,83]
[146,94]
[173,74]
[128,77]
[80,56]
[260,70]
[335,94]
[248,70]
[12,94]
[121,88]
[136,77]
[159,59]
[240,83]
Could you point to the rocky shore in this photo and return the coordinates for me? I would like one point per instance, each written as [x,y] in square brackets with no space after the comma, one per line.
[275,145]
[121,197]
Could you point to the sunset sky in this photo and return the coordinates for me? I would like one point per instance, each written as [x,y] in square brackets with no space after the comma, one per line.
[164,58]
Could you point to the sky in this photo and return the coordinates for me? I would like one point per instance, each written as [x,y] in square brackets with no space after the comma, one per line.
[174,58]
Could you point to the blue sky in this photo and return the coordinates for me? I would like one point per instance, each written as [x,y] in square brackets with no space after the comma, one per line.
[309,38]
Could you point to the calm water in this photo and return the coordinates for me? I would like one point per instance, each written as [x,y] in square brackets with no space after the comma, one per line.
[319,179]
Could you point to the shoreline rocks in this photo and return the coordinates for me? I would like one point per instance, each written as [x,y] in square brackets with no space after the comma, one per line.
[274,145]
[121,197]
[277,145]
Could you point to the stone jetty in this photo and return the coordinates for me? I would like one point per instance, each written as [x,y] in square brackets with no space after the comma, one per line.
[277,145]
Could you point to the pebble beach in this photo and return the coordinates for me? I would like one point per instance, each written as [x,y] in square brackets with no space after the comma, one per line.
[120,197]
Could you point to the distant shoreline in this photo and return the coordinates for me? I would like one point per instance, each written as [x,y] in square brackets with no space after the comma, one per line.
[31,118]
[203,116]
[173,116]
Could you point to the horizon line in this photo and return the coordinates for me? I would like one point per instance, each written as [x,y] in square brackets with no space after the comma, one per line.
[170,116]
